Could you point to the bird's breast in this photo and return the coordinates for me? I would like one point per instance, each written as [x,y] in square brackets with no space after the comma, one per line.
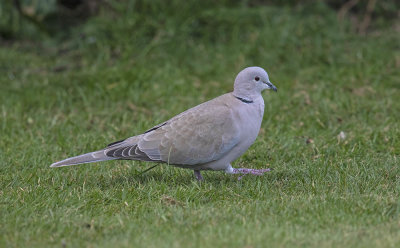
[250,116]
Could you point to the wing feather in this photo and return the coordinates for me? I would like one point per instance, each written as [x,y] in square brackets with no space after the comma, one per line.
[199,135]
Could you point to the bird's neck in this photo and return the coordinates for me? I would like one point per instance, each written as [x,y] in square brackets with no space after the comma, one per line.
[246,96]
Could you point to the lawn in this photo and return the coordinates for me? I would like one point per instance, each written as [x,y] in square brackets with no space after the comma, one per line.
[331,133]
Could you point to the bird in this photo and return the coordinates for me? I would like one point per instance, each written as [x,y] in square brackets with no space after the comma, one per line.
[209,136]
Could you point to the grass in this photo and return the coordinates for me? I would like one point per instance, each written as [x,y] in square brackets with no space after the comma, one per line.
[116,76]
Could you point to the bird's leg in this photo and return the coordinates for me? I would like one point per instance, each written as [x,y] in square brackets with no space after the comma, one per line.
[245,171]
[198,175]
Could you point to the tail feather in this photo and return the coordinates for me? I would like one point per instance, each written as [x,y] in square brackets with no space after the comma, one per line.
[84,159]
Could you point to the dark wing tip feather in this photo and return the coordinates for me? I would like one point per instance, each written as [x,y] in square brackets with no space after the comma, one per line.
[129,153]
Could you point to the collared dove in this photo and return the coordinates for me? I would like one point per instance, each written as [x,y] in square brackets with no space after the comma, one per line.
[206,137]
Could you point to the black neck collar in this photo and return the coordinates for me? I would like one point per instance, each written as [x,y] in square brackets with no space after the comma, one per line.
[244,100]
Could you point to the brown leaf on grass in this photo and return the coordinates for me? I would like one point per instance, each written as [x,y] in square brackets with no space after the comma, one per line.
[316,156]
[309,141]
[169,201]
[363,91]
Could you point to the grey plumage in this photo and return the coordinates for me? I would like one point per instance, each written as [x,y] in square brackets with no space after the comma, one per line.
[83,159]
[208,136]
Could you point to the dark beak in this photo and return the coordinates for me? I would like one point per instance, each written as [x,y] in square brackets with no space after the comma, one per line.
[271,86]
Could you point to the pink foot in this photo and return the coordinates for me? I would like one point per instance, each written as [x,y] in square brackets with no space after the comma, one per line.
[245,171]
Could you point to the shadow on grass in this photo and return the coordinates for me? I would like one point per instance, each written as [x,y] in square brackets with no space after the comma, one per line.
[174,177]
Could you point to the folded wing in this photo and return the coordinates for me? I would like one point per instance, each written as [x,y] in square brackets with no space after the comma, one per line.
[197,136]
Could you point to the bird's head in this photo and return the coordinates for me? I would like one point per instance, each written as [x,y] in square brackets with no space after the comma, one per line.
[251,81]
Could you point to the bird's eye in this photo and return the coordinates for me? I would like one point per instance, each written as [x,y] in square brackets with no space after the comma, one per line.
[257,78]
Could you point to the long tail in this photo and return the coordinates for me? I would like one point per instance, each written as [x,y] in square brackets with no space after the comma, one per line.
[84,159]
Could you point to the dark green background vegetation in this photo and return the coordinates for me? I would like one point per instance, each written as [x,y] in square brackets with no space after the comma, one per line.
[76,77]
